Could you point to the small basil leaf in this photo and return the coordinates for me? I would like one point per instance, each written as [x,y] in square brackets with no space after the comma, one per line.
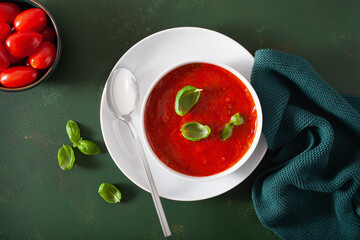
[66,157]
[237,120]
[227,131]
[73,131]
[186,98]
[109,193]
[88,147]
[195,131]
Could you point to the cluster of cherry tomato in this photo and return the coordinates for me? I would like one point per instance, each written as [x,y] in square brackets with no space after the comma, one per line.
[26,45]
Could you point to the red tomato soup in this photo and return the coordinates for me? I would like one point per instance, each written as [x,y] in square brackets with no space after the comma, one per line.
[223,95]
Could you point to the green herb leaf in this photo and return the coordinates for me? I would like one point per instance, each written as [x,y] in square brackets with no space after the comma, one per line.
[73,131]
[237,120]
[66,157]
[195,131]
[88,147]
[109,193]
[186,98]
[227,131]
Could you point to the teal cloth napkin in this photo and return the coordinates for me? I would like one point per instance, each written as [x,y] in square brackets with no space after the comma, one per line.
[312,189]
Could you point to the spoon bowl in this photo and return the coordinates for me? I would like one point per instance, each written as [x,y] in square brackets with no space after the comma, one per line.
[122,93]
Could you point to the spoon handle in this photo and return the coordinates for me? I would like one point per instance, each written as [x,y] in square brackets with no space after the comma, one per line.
[154,192]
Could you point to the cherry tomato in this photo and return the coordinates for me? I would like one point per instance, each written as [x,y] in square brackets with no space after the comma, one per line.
[21,45]
[8,12]
[48,34]
[5,31]
[43,56]
[4,58]
[31,20]
[18,76]
[14,60]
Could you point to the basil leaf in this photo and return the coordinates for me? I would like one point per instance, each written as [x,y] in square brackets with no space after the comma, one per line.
[195,131]
[66,157]
[186,98]
[73,131]
[88,147]
[237,120]
[109,193]
[227,131]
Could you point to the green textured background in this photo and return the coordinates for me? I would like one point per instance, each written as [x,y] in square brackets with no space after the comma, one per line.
[40,201]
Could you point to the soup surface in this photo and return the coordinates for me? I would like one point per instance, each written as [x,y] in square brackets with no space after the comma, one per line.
[223,96]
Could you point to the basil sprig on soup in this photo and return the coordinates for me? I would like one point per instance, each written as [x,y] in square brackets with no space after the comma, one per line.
[236,120]
[195,131]
[186,98]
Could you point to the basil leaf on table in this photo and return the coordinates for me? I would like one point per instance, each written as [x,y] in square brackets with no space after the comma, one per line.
[109,193]
[195,131]
[227,131]
[88,147]
[237,120]
[66,157]
[73,131]
[186,98]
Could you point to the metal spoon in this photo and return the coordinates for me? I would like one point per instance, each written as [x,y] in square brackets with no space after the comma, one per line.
[122,95]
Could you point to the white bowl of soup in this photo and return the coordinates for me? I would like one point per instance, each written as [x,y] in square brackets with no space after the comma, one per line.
[225,99]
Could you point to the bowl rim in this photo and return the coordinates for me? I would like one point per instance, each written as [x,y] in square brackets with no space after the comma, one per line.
[49,71]
[241,161]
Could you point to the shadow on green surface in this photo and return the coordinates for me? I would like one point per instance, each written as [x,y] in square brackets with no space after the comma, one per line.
[127,191]
[86,132]
[243,190]
[86,161]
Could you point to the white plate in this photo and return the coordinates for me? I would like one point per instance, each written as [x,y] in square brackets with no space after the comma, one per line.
[146,60]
